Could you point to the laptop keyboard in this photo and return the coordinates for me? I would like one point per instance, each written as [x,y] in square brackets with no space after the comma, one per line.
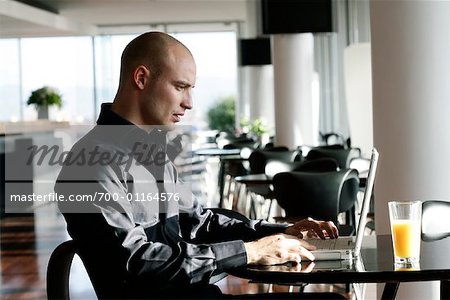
[332,244]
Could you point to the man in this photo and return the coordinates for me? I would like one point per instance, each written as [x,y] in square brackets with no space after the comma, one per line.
[163,246]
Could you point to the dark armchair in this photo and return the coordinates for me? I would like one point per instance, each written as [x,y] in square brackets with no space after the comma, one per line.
[342,156]
[435,220]
[318,195]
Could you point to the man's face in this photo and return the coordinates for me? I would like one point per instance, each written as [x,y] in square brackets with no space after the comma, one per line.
[168,96]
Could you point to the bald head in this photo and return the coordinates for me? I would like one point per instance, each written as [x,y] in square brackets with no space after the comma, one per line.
[149,49]
[156,78]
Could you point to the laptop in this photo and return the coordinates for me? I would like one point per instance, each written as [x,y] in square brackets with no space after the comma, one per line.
[345,248]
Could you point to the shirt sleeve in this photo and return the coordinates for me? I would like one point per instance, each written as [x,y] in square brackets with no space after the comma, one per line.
[204,225]
[153,250]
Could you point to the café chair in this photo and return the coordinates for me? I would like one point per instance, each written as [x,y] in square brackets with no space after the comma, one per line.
[275,167]
[258,194]
[435,220]
[105,278]
[342,156]
[317,165]
[435,226]
[106,282]
[271,147]
[332,138]
[258,159]
[321,196]
[58,271]
[231,168]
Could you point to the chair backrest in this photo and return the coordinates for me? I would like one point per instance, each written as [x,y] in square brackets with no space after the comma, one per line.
[318,165]
[259,159]
[342,156]
[332,138]
[435,220]
[318,195]
[58,271]
[272,147]
[247,143]
[107,283]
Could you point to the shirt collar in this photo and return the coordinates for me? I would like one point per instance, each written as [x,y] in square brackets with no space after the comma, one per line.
[109,117]
[128,132]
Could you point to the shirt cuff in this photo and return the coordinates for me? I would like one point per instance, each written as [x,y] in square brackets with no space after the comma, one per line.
[230,254]
[272,228]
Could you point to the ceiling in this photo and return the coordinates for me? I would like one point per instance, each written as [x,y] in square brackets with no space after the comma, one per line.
[28,18]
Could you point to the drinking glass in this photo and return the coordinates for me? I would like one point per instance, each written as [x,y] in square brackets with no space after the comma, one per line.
[405,218]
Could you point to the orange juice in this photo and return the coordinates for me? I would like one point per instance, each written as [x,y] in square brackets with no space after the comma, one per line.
[406,238]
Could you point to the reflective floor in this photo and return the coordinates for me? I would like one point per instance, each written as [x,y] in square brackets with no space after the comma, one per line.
[27,241]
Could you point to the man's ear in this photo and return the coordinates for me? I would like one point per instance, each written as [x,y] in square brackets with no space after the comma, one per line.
[141,76]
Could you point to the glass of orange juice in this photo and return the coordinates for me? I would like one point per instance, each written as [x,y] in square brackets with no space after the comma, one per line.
[405,220]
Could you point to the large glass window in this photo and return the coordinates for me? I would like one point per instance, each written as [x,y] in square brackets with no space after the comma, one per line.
[108,49]
[215,56]
[216,59]
[65,63]
[9,80]
[85,71]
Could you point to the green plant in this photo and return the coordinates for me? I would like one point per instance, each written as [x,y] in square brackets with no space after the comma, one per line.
[222,115]
[256,128]
[45,97]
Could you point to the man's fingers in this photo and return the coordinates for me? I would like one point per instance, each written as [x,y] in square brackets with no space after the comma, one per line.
[294,257]
[319,232]
[331,229]
[307,245]
[306,254]
[309,267]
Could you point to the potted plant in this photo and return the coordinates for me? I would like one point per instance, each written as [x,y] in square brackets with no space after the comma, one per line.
[256,129]
[43,98]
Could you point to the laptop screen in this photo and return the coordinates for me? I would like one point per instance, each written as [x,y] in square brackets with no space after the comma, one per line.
[366,201]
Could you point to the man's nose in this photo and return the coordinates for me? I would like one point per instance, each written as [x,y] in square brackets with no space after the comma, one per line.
[187,101]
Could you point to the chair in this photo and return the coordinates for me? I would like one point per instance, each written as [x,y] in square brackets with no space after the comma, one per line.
[318,165]
[272,147]
[436,226]
[259,158]
[332,138]
[60,262]
[274,167]
[242,141]
[107,283]
[231,168]
[318,195]
[58,270]
[435,220]
[342,156]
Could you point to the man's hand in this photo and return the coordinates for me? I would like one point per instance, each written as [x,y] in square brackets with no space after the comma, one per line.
[292,267]
[278,249]
[313,228]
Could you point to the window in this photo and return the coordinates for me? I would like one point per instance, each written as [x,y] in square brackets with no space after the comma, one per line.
[65,63]
[85,81]
[9,79]
[216,59]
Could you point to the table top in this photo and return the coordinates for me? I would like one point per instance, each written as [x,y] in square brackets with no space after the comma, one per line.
[265,179]
[217,152]
[254,179]
[375,264]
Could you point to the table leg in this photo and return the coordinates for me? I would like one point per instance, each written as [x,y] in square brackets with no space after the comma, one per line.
[445,289]
[221,182]
[390,290]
